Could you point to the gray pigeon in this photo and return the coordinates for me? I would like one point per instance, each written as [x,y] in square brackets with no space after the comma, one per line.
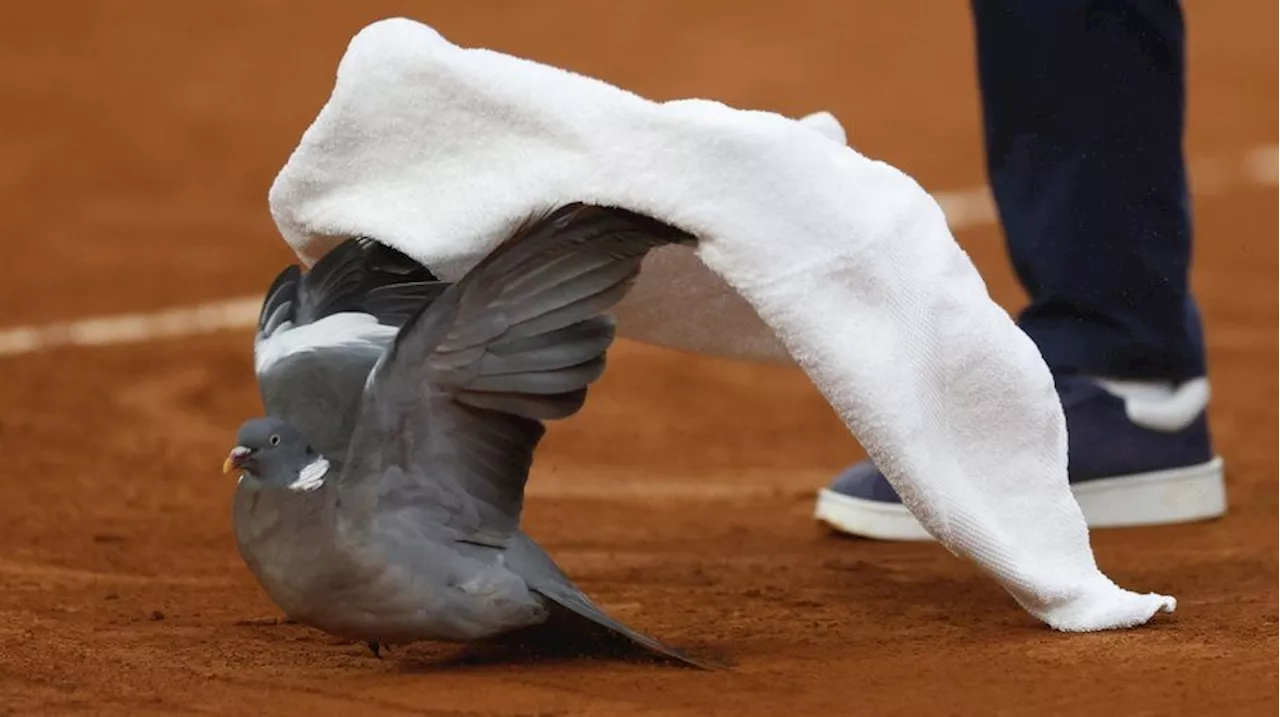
[413,532]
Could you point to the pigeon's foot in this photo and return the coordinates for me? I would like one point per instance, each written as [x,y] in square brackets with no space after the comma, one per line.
[376,649]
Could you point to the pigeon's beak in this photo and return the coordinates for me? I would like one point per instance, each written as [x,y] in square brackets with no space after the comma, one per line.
[236,459]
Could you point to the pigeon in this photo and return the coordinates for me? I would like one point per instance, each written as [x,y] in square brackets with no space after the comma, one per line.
[412,531]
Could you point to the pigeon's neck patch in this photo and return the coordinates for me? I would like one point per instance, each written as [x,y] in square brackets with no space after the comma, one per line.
[312,475]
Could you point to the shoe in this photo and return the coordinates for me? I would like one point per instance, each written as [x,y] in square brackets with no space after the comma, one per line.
[1139,454]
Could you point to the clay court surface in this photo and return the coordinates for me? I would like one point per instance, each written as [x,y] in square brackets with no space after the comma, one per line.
[137,142]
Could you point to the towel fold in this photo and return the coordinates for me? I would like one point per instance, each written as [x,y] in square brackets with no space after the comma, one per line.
[808,252]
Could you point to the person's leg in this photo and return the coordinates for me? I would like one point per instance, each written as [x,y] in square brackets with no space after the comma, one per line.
[1084,112]
[1083,106]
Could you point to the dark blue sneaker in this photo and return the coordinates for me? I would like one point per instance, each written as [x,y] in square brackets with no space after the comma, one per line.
[1140,454]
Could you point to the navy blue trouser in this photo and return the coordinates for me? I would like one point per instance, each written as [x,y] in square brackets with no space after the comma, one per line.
[1083,105]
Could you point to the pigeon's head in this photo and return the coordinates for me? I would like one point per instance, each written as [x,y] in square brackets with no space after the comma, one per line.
[274,452]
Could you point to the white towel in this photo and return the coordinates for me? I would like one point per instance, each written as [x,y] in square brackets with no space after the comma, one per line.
[439,151]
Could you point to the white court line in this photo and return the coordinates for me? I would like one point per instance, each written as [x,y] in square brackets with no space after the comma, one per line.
[964,208]
[203,318]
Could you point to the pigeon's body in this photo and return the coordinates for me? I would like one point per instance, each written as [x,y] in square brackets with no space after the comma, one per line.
[414,532]
[277,537]
[402,580]
[319,335]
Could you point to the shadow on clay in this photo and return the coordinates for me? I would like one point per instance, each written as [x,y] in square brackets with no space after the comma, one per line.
[552,643]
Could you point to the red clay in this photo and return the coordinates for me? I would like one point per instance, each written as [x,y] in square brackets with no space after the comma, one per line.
[138,140]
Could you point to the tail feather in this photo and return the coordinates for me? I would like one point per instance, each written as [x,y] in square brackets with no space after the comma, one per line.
[579,604]
[528,560]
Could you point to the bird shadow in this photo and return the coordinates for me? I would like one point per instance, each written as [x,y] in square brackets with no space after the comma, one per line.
[556,643]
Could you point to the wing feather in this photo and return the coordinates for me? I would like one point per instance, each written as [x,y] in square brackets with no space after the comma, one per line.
[321,332]
[460,399]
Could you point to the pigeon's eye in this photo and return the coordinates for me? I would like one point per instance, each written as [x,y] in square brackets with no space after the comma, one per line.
[274,440]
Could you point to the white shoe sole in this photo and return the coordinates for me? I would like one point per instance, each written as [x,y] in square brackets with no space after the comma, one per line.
[1178,495]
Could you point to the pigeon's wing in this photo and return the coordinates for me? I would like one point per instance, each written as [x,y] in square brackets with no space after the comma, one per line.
[321,333]
[454,410]
[358,276]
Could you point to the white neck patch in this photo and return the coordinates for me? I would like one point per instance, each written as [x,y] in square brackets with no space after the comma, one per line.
[312,475]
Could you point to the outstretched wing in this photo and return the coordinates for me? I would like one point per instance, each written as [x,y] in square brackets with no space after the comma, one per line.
[321,333]
[454,411]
